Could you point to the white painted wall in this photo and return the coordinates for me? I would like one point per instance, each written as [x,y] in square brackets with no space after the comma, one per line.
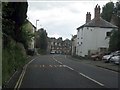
[93,39]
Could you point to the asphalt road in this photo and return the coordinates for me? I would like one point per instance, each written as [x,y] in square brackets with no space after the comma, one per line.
[57,71]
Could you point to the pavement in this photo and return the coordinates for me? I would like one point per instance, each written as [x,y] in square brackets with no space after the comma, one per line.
[98,63]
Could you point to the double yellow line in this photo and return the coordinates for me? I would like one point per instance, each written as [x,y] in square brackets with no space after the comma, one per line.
[19,82]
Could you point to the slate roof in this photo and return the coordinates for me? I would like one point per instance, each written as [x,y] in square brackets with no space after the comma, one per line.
[98,23]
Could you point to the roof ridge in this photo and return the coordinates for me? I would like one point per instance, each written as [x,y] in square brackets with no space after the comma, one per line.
[101,23]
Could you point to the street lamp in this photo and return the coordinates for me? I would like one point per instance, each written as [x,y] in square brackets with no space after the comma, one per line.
[36,24]
[35,37]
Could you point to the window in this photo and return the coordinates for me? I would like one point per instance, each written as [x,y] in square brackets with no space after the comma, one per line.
[81,37]
[108,34]
[52,43]
[59,44]
[56,43]
[81,42]
[103,49]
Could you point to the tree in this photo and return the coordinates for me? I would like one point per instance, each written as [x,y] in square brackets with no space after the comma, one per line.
[42,40]
[107,11]
[114,43]
[117,12]
[13,53]
[13,16]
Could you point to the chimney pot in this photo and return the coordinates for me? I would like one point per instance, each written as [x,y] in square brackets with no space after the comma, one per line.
[88,17]
[97,11]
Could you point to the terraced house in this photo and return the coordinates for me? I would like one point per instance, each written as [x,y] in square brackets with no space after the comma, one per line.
[58,46]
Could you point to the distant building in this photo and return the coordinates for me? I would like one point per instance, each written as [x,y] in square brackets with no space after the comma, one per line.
[55,45]
[58,46]
[66,46]
[74,45]
[94,35]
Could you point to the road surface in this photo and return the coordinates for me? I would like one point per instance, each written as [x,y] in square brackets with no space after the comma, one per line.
[58,71]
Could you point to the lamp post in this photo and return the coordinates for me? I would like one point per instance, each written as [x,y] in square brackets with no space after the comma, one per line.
[36,24]
[35,37]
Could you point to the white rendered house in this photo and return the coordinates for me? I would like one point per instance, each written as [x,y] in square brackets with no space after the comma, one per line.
[93,36]
[31,28]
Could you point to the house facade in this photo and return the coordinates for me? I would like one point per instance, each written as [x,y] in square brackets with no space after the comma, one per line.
[66,47]
[31,29]
[93,37]
[55,45]
[74,43]
[59,46]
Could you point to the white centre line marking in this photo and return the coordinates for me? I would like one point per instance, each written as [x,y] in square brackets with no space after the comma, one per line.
[57,60]
[91,79]
[82,74]
[69,67]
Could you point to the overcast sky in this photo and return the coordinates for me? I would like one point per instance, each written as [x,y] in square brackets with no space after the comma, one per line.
[61,18]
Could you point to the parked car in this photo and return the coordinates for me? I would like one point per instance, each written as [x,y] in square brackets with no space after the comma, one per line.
[31,51]
[107,58]
[52,52]
[115,59]
[97,56]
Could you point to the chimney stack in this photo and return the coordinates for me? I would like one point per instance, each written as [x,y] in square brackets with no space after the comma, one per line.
[97,12]
[88,17]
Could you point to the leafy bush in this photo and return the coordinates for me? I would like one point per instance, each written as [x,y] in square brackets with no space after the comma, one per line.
[13,57]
